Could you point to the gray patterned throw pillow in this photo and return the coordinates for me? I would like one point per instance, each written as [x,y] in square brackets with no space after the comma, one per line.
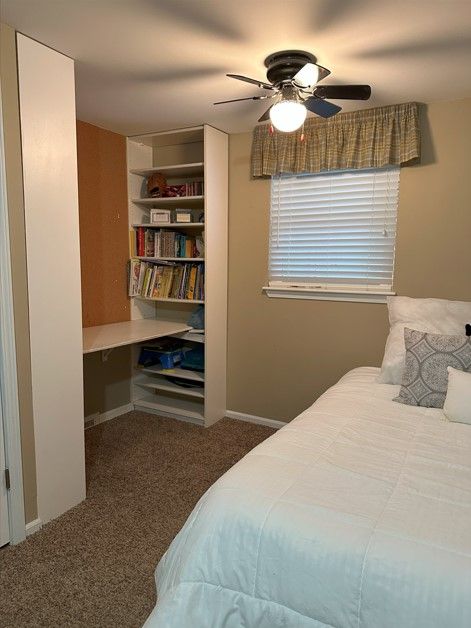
[425,379]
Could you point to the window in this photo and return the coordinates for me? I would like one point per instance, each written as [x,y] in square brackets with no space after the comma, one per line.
[333,234]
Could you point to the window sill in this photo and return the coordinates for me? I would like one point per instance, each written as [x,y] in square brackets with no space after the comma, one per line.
[324,294]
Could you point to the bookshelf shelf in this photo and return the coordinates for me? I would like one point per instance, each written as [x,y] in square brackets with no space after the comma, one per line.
[166,386]
[193,376]
[185,155]
[191,336]
[177,171]
[180,225]
[170,259]
[186,409]
[171,200]
[196,301]
[173,137]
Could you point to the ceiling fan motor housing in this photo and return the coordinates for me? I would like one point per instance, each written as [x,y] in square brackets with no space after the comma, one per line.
[282,66]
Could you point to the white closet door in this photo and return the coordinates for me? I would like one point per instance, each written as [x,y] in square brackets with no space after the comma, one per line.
[48,129]
[4,522]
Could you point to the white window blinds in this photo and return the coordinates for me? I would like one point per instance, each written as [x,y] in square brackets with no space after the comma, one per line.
[334,229]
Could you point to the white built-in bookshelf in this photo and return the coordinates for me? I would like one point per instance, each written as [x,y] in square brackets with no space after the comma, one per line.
[183,156]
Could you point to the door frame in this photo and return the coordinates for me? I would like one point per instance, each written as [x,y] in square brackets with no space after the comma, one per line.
[8,365]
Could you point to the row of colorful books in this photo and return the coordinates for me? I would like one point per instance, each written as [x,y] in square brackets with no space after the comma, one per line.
[166,281]
[164,243]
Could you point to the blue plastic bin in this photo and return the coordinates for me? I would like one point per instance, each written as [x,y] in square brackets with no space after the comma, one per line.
[168,359]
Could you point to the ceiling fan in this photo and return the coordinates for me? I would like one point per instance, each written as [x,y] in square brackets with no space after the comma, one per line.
[293,77]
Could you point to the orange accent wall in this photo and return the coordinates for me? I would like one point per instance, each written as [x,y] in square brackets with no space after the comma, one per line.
[104,234]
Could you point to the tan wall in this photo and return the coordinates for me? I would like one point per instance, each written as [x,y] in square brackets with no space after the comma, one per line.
[104,252]
[106,385]
[433,254]
[285,353]
[12,139]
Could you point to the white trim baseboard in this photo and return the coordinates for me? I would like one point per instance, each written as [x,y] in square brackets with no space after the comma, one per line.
[251,418]
[102,417]
[33,526]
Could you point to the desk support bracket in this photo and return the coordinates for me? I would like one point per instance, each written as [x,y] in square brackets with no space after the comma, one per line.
[105,354]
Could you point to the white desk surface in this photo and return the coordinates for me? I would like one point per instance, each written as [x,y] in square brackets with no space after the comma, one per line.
[114,335]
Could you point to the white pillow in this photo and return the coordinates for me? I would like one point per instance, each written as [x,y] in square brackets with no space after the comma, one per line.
[458,397]
[434,316]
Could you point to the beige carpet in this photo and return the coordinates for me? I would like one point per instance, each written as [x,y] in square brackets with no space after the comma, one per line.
[93,566]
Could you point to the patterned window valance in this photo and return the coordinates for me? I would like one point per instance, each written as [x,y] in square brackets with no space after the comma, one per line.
[369,138]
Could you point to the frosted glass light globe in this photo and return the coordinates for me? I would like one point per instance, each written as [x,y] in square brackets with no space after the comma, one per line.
[307,75]
[288,115]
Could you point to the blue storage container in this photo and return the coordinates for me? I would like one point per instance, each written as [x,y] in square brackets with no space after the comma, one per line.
[193,359]
[168,359]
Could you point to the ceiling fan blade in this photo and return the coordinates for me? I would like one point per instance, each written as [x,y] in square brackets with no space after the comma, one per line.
[322,107]
[223,102]
[323,72]
[239,77]
[347,92]
[266,115]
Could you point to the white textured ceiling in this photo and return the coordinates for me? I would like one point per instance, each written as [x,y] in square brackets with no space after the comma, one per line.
[145,65]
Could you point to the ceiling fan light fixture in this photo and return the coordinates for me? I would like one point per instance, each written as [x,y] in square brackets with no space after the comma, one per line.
[307,76]
[288,115]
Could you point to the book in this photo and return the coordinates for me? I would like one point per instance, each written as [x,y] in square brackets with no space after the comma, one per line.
[157,245]
[132,243]
[149,243]
[199,245]
[140,241]
[134,270]
[191,283]
[152,282]
[142,272]
[158,282]
[167,282]
[178,273]
[189,247]
[147,277]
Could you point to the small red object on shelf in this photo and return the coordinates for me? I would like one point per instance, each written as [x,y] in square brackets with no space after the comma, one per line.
[175,190]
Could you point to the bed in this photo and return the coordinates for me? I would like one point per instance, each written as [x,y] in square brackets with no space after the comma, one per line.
[356,514]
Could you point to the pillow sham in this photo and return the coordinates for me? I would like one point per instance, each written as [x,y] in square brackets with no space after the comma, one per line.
[437,316]
[428,356]
[457,406]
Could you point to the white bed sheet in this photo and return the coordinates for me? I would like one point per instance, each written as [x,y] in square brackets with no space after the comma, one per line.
[356,514]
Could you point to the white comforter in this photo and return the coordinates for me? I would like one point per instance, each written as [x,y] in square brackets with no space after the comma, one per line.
[356,514]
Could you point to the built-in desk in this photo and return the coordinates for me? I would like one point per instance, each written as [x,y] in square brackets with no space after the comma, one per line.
[114,335]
